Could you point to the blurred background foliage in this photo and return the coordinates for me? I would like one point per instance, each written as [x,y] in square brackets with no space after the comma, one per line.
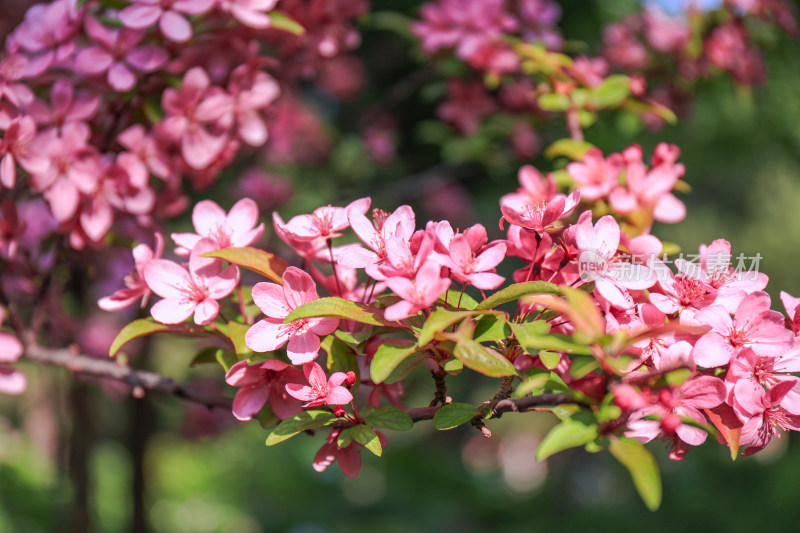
[203,473]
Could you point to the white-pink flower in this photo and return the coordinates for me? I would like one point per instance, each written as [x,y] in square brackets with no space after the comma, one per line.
[234,229]
[187,292]
[320,390]
[276,302]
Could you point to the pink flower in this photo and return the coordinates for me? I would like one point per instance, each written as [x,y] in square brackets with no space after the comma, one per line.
[703,392]
[195,291]
[595,175]
[417,294]
[768,372]
[13,68]
[536,206]
[234,229]
[792,306]
[473,264]
[48,31]
[135,286]
[599,262]
[466,106]
[761,413]
[324,223]
[251,13]
[189,109]
[400,224]
[117,53]
[320,390]
[754,326]
[145,155]
[251,95]
[348,458]
[462,24]
[650,188]
[65,106]
[168,13]
[16,146]
[263,383]
[276,302]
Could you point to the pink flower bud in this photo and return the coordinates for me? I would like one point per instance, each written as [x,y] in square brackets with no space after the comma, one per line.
[350,379]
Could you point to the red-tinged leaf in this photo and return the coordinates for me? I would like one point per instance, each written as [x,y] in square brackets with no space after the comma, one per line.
[282,21]
[300,422]
[585,315]
[336,307]
[642,466]
[728,425]
[261,262]
[146,326]
[517,291]
[567,434]
[485,360]
[453,415]
[438,321]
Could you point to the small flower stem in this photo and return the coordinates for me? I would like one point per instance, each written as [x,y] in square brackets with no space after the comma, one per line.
[333,265]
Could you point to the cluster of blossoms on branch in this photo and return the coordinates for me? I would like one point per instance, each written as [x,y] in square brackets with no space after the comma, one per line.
[110,111]
[641,352]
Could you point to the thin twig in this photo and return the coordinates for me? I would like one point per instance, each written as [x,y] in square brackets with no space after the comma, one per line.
[142,379]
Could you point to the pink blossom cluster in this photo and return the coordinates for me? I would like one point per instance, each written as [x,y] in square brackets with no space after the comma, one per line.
[101,108]
[476,29]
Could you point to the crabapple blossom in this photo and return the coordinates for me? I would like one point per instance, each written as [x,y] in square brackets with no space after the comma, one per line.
[261,384]
[417,294]
[168,13]
[236,228]
[135,286]
[190,292]
[276,302]
[320,390]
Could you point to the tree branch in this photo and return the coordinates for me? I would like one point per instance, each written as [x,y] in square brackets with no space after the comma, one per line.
[90,366]
[503,406]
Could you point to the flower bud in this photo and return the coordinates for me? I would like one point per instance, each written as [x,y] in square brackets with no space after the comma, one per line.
[350,379]
[338,411]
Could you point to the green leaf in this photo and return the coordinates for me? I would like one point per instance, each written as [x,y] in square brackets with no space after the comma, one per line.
[554,102]
[207,355]
[659,110]
[390,417]
[453,366]
[564,435]
[366,436]
[438,321]
[570,148]
[585,315]
[550,360]
[353,339]
[533,384]
[459,299]
[485,360]
[642,466]
[345,438]
[146,326]
[492,328]
[281,21]
[613,91]
[391,21]
[392,361]
[236,333]
[259,261]
[517,291]
[532,342]
[300,422]
[336,307]
[226,359]
[453,415]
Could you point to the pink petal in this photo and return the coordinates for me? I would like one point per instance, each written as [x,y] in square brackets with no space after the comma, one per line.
[175,27]
[12,381]
[269,298]
[338,396]
[249,401]
[252,129]
[298,287]
[242,374]
[93,60]
[323,326]
[139,16]
[266,335]
[199,148]
[248,17]
[303,348]
[712,350]
[242,216]
[146,58]
[669,209]
[206,311]
[10,348]
[165,278]
[171,311]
